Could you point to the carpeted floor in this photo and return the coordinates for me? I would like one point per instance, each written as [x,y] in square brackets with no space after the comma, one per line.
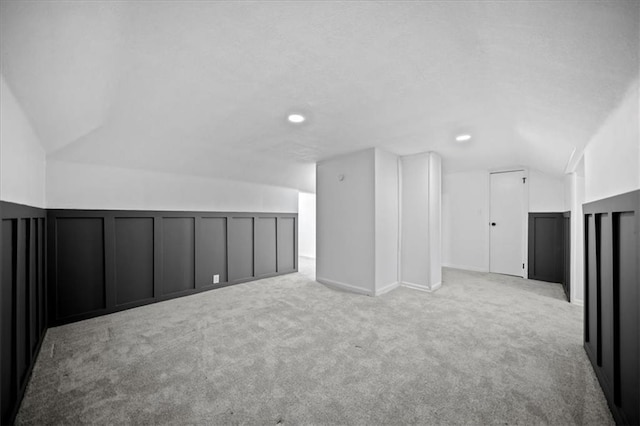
[484,349]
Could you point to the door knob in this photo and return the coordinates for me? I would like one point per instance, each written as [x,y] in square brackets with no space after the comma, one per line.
[493,224]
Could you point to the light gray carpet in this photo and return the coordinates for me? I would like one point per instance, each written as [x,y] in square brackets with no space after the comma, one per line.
[484,349]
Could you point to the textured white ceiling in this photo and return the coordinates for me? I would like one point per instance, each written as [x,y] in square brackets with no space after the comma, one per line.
[204,88]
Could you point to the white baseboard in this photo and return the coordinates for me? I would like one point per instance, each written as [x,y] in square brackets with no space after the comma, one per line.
[344,286]
[464,267]
[577,302]
[387,288]
[421,287]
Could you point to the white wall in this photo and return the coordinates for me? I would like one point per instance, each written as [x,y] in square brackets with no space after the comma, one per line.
[420,221]
[546,193]
[22,157]
[345,222]
[610,165]
[84,186]
[386,220]
[465,220]
[307,224]
[465,216]
[612,156]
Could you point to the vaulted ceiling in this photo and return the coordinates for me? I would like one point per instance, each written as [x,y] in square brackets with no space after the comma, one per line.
[204,88]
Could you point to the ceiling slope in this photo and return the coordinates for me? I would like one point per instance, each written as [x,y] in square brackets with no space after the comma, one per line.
[204,88]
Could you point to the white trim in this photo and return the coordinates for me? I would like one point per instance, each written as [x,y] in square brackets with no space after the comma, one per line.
[574,160]
[415,286]
[577,302]
[387,288]
[568,168]
[421,287]
[525,225]
[344,286]
[487,234]
[508,169]
[465,268]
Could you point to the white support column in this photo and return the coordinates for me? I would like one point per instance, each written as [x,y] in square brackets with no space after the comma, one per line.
[363,222]
[421,198]
[577,239]
[435,221]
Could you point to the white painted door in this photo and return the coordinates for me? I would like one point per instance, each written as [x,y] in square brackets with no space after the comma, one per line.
[506,224]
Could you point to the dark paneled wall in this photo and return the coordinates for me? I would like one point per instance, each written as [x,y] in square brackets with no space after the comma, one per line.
[100,262]
[22,300]
[612,300]
[546,247]
[105,261]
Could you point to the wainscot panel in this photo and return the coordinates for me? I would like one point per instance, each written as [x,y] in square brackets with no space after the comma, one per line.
[241,248]
[287,244]
[266,245]
[612,305]
[22,300]
[103,261]
[178,254]
[134,259]
[212,250]
[79,247]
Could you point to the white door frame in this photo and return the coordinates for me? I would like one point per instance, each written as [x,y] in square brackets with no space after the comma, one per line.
[525,218]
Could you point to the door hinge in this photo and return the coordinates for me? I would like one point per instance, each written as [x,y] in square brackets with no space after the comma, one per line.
[523,266]
[524,180]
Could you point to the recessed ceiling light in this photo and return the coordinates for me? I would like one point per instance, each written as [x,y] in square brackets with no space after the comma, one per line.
[296,118]
[463,138]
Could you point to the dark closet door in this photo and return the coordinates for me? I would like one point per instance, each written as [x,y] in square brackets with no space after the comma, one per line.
[546,247]
[567,254]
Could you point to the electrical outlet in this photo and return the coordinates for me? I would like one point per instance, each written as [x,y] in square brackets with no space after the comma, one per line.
[216,279]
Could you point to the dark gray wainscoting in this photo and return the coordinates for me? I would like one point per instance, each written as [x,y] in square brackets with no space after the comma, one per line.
[23,317]
[546,247]
[106,261]
[612,300]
